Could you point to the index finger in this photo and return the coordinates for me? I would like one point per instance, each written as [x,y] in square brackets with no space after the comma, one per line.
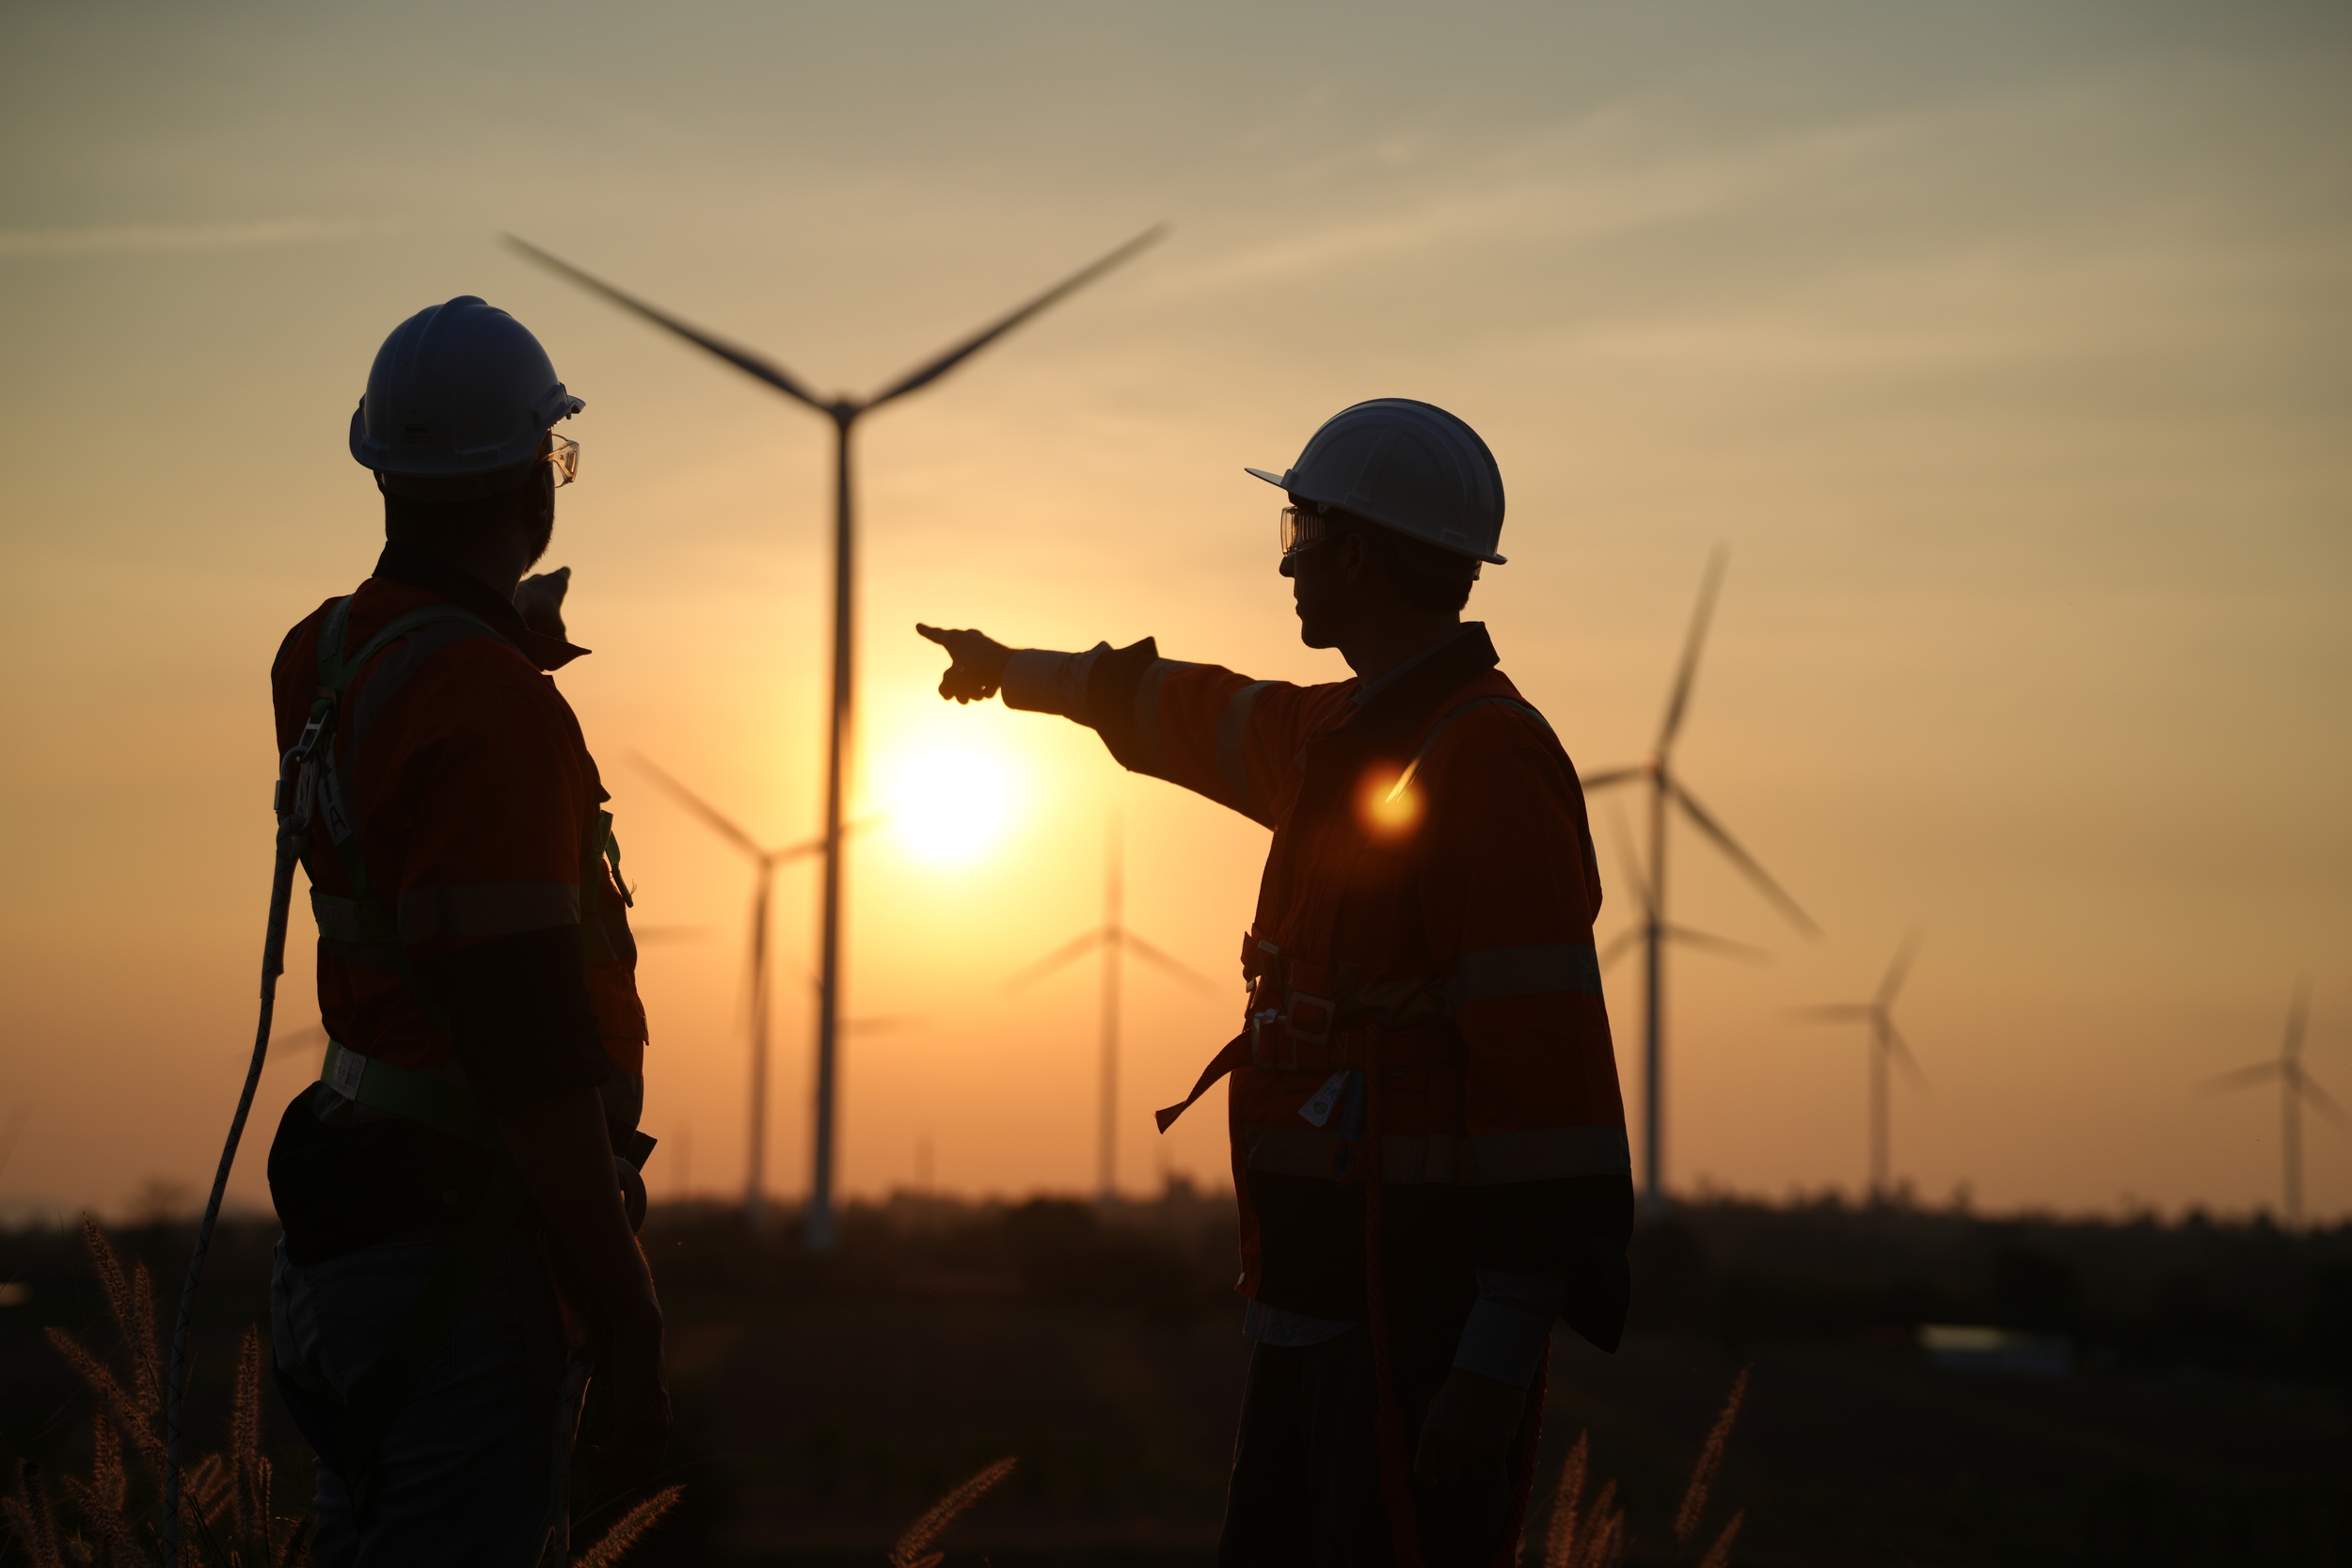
[932,633]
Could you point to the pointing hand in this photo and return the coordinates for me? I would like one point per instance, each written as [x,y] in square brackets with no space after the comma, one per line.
[979,667]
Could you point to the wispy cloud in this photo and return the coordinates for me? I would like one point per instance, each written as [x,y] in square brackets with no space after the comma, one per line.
[1579,185]
[119,238]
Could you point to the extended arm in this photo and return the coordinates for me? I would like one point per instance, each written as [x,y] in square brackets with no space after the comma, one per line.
[1200,726]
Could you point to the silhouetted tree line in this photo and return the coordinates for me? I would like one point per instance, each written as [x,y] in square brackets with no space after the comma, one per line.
[2234,1297]
[2238,1297]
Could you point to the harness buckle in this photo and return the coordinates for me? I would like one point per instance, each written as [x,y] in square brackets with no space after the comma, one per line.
[1310,1017]
[1258,1020]
[346,1071]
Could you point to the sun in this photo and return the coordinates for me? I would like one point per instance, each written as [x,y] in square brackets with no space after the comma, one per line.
[950,805]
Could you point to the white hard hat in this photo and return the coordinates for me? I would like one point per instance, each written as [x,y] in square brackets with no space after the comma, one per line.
[1407,466]
[457,391]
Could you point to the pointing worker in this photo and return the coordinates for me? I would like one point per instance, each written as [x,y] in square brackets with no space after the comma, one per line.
[477,981]
[1428,1142]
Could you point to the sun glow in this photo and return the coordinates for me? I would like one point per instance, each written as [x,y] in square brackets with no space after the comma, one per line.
[950,805]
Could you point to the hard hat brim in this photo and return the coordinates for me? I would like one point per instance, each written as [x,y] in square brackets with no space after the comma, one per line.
[1281,481]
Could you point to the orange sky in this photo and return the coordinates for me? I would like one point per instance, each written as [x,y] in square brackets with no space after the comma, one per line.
[2005,347]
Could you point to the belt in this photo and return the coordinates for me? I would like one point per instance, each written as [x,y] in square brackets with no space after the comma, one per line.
[400,1091]
[1418,1051]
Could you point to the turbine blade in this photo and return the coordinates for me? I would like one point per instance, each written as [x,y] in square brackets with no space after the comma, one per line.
[801,850]
[1900,1049]
[1688,670]
[1900,969]
[1740,857]
[923,375]
[1068,953]
[1724,945]
[1834,1012]
[2223,1082]
[741,358]
[717,821]
[2321,1098]
[1609,776]
[1633,861]
[643,934]
[1176,966]
[1622,944]
[816,846]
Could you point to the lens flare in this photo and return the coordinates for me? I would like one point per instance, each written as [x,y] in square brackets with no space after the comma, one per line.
[948,806]
[1388,803]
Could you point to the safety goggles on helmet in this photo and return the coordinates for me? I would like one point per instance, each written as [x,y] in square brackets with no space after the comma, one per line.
[565,455]
[1303,529]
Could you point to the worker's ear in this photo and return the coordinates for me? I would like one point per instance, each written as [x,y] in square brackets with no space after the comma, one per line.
[1355,557]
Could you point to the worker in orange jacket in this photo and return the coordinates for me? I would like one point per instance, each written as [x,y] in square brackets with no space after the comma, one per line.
[1428,1141]
[458,1189]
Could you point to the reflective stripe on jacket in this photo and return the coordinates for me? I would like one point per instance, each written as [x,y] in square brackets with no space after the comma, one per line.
[1425,916]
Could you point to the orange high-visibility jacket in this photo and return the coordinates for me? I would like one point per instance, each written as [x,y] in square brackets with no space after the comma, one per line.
[1433,938]
[479,816]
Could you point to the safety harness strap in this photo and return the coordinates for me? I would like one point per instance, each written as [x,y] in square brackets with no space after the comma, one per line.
[376,925]
[1236,1051]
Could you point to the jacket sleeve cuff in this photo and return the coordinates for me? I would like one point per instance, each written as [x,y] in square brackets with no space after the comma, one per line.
[1509,1326]
[1039,680]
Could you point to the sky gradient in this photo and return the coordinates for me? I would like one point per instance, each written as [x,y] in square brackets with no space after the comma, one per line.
[2006,348]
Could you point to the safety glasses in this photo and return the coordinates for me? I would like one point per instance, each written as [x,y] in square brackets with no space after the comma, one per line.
[565,455]
[1303,530]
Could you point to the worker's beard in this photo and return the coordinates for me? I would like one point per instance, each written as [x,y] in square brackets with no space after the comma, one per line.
[541,521]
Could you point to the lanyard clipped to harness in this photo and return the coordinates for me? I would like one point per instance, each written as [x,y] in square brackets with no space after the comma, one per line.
[296,800]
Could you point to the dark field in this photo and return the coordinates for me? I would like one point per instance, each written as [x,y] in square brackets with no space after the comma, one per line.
[822,1406]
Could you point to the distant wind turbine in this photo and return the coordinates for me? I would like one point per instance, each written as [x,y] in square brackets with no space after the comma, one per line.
[1666,788]
[844,411]
[1114,941]
[1886,1043]
[2296,1085]
[1706,941]
[765,860]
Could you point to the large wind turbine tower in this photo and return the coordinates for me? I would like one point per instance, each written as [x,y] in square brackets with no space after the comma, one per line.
[844,411]
[1667,795]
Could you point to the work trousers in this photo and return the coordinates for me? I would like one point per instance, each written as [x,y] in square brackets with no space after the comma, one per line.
[1305,1484]
[471,1472]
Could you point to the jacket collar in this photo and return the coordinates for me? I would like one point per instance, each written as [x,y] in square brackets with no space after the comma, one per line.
[1398,703]
[420,568]
[1366,690]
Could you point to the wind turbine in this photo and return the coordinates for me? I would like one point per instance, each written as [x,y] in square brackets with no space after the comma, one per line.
[2295,1086]
[1886,1043]
[765,860]
[845,411]
[1665,788]
[1705,942]
[1114,942]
